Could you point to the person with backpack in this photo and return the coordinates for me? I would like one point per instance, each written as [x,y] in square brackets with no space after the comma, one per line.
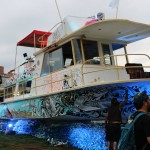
[136,133]
[113,122]
[142,124]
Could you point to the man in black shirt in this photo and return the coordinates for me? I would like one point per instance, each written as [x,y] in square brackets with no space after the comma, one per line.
[142,124]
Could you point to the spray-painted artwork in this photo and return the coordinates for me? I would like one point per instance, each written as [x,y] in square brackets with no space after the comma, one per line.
[28,73]
[91,102]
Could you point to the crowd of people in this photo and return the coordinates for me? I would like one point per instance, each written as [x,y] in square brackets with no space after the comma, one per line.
[141,126]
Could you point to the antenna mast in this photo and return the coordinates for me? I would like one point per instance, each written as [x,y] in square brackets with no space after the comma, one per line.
[58,10]
[117,9]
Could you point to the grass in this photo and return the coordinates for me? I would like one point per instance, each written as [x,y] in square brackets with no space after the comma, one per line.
[27,142]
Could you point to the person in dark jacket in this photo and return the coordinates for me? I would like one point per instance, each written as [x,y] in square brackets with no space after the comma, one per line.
[142,124]
[113,122]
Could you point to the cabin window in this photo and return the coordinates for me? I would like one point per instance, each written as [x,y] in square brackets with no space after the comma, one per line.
[9,91]
[106,54]
[21,88]
[28,87]
[57,59]
[67,54]
[1,95]
[77,51]
[46,65]
[91,52]
[24,87]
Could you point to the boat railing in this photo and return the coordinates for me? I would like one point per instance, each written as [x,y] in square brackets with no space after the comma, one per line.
[48,84]
[132,71]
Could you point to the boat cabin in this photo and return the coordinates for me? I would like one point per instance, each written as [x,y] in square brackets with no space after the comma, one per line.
[79,54]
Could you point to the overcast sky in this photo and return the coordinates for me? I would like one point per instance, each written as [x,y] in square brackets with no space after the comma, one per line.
[19,17]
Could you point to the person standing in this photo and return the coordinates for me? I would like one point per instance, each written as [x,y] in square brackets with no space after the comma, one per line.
[142,124]
[113,122]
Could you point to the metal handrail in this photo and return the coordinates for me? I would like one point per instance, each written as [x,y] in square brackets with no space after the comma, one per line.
[70,77]
[35,87]
[111,67]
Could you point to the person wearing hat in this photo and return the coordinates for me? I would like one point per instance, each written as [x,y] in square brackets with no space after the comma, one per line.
[113,122]
[142,124]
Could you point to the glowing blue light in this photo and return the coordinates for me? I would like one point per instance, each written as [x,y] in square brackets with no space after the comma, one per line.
[23,126]
[10,125]
[88,138]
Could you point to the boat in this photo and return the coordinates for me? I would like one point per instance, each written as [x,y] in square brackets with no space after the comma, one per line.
[75,72]
[3,78]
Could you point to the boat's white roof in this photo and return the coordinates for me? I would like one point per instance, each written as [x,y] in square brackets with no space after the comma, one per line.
[115,30]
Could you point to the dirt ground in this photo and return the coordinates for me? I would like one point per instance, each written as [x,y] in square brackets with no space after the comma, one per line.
[26,142]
